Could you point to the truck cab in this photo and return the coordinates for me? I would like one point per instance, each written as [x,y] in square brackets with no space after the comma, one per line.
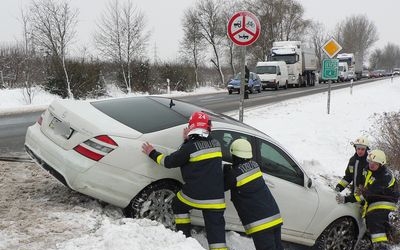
[273,74]
[301,61]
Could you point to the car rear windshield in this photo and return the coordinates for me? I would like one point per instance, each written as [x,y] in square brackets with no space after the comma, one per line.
[149,114]
[145,114]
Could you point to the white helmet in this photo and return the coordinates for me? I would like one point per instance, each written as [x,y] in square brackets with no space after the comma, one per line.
[377,156]
[361,141]
[241,148]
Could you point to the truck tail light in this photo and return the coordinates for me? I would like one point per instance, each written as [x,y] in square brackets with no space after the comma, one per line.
[96,148]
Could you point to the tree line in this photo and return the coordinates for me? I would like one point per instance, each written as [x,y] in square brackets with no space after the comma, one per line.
[207,56]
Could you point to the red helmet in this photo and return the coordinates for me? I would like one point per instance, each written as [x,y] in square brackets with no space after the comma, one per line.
[199,121]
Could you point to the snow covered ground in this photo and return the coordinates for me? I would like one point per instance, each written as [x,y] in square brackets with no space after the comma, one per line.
[37,212]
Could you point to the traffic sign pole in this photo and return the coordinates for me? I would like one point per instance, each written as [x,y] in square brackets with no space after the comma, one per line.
[243,29]
[242,82]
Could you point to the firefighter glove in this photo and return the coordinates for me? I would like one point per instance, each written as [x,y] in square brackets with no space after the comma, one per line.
[340,199]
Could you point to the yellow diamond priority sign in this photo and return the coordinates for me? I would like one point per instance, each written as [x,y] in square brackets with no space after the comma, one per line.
[331,47]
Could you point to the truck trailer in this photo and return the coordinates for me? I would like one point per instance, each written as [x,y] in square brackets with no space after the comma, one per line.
[301,61]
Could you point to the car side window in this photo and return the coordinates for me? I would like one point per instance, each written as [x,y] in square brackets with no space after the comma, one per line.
[226,138]
[276,162]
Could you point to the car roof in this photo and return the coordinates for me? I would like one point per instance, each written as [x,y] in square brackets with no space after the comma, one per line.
[148,114]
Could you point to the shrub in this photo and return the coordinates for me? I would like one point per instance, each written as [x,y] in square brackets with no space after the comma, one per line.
[386,132]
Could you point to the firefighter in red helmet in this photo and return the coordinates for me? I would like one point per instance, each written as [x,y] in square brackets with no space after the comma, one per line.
[200,161]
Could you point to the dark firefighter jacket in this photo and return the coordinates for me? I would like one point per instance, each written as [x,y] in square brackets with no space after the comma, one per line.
[379,189]
[355,169]
[252,198]
[200,161]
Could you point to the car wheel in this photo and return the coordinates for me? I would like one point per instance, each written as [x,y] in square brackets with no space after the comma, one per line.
[339,235]
[229,91]
[286,85]
[154,203]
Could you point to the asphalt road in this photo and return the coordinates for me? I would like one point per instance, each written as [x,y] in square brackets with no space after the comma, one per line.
[13,127]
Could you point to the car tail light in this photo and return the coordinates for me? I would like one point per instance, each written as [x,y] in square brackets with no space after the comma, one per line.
[97,147]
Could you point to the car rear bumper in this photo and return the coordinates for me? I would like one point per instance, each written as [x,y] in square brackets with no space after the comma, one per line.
[95,179]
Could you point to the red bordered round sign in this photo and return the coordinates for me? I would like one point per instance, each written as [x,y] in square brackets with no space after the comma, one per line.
[244,28]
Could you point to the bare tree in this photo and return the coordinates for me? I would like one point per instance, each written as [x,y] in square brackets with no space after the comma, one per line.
[386,58]
[317,39]
[229,8]
[357,34]
[121,36]
[212,29]
[193,43]
[280,20]
[53,29]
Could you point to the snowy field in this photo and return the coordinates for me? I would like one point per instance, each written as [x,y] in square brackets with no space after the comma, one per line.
[37,212]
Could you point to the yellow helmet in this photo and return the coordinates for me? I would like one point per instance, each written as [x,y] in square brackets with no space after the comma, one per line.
[361,141]
[241,148]
[377,156]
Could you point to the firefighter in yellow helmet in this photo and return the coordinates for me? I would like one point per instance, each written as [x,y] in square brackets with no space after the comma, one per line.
[379,196]
[252,198]
[353,174]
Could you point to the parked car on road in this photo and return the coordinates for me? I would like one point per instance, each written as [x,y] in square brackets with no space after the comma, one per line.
[273,74]
[254,83]
[94,147]
[365,74]
[351,76]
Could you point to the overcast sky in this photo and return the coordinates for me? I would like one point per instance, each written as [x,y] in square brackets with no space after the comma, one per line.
[164,19]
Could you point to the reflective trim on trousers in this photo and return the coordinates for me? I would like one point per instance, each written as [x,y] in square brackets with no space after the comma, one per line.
[201,204]
[381,205]
[182,218]
[263,224]
[218,246]
[381,237]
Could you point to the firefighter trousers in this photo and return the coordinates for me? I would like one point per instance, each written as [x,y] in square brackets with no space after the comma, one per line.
[268,239]
[213,219]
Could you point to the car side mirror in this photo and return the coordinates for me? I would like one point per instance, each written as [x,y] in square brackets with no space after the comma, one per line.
[279,73]
[309,183]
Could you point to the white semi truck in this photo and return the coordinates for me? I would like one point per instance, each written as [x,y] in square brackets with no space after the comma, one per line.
[354,63]
[301,61]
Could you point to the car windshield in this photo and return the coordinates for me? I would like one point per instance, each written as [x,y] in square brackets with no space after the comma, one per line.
[289,59]
[150,114]
[266,69]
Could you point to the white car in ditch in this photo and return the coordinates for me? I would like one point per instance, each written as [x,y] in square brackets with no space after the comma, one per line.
[95,148]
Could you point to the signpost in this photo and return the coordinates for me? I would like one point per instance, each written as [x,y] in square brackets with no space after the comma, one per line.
[243,29]
[330,66]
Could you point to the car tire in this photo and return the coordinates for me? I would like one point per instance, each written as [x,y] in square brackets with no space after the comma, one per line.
[340,234]
[154,203]
[286,85]
[229,92]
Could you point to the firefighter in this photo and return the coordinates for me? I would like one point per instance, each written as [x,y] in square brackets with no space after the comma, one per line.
[378,196]
[253,200]
[200,161]
[357,163]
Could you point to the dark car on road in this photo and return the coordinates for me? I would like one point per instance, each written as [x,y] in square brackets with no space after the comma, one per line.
[254,84]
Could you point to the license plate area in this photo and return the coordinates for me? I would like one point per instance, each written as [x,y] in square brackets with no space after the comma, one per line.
[61,128]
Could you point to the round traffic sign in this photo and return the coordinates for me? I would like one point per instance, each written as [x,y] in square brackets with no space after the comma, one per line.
[244,28]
